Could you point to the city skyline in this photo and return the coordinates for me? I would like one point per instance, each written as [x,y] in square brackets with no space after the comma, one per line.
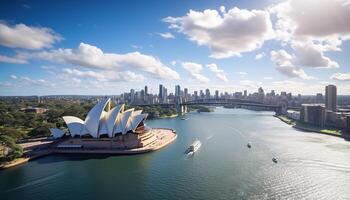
[49,49]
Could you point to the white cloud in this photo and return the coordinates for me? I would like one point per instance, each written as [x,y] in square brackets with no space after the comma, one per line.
[250,84]
[220,74]
[167,35]
[268,78]
[173,62]
[36,82]
[104,75]
[259,56]
[226,34]
[13,76]
[284,64]
[312,28]
[27,37]
[341,76]
[91,56]
[307,54]
[194,69]
[242,73]
[15,60]
[313,18]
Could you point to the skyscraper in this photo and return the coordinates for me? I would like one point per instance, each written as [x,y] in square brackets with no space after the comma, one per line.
[146,90]
[161,90]
[177,90]
[331,98]
[207,94]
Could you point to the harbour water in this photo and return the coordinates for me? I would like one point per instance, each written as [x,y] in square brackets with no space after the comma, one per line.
[310,165]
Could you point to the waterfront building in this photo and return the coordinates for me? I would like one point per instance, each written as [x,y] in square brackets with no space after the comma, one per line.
[115,123]
[293,114]
[34,110]
[331,97]
[313,114]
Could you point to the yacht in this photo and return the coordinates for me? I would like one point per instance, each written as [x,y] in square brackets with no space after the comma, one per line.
[194,147]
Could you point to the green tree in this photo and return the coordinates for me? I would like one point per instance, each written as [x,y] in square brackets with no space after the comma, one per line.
[13,149]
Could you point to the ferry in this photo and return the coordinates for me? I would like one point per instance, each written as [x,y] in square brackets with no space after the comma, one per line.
[194,147]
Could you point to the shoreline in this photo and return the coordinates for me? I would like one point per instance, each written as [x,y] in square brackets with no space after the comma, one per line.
[14,163]
[165,138]
[318,130]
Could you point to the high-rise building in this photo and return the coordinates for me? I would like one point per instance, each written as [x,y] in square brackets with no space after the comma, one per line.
[132,95]
[177,90]
[331,97]
[207,93]
[216,94]
[245,93]
[146,90]
[313,114]
[186,94]
[161,91]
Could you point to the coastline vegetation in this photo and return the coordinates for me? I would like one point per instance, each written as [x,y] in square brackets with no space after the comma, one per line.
[200,108]
[308,127]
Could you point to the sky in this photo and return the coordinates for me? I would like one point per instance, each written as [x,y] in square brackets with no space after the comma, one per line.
[108,47]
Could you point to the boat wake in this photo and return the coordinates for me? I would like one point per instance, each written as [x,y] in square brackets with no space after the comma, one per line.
[35,182]
[209,137]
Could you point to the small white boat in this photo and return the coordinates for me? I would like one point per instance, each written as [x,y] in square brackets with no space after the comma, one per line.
[274,159]
[194,147]
[249,145]
[184,118]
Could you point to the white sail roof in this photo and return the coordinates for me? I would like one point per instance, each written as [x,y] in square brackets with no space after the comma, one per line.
[92,120]
[99,122]
[56,133]
[136,120]
[112,118]
[75,125]
[125,119]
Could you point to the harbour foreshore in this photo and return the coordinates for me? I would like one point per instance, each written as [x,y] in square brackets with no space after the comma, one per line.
[164,138]
[309,128]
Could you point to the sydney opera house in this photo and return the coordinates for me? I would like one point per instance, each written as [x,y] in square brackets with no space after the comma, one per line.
[106,127]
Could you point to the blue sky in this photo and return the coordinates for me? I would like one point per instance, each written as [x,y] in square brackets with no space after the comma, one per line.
[94,47]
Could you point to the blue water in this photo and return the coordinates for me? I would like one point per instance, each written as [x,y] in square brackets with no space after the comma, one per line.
[311,166]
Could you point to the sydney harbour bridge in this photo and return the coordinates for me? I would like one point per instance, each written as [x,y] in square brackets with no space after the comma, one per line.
[181,105]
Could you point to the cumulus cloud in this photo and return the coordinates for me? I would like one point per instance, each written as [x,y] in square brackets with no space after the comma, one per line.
[250,84]
[195,71]
[93,57]
[13,76]
[312,28]
[341,76]
[227,33]
[111,76]
[27,37]
[167,35]
[220,74]
[284,64]
[14,60]
[259,56]
[242,73]
[316,19]
[36,82]
[307,54]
